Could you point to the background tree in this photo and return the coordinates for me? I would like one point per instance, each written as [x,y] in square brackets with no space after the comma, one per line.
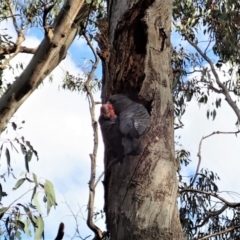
[209,73]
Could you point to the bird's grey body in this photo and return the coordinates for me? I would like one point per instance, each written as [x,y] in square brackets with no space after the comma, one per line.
[134,120]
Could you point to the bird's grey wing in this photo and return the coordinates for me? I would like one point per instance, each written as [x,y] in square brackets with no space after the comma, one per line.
[126,123]
[141,120]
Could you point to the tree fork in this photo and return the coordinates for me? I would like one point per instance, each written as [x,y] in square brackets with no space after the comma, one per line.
[141,193]
[49,54]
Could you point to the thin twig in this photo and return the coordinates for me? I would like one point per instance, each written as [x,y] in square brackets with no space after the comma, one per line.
[210,215]
[199,152]
[13,16]
[211,87]
[209,42]
[99,178]
[215,195]
[98,233]
[75,217]
[20,197]
[179,126]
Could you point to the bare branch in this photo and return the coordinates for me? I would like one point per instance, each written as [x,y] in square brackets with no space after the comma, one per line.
[199,162]
[209,42]
[75,216]
[98,103]
[47,9]
[19,41]
[218,233]
[210,214]
[199,151]
[20,38]
[11,49]
[99,178]
[179,126]
[20,197]
[211,87]
[218,212]
[215,195]
[92,185]
[225,203]
[12,16]
[94,53]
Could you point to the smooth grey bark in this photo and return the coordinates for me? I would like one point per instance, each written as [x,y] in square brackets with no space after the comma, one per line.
[141,193]
[50,53]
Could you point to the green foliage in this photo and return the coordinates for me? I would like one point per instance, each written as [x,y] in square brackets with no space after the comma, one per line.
[18,218]
[19,183]
[203,211]
[205,66]
[30,12]
[39,230]
[49,195]
[211,27]
[73,83]
[95,3]
[97,11]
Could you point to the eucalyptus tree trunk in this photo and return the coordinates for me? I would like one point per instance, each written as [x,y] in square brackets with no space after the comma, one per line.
[141,193]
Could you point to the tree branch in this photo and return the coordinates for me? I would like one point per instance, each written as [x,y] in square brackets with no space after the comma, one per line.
[20,38]
[215,195]
[47,9]
[75,216]
[11,49]
[48,55]
[211,87]
[221,232]
[218,212]
[210,214]
[20,197]
[12,16]
[179,126]
[199,152]
[92,185]
[99,178]
[225,91]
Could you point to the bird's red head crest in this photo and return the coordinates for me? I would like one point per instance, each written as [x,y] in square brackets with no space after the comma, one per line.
[107,111]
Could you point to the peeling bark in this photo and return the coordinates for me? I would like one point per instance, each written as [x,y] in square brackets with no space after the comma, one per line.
[50,53]
[141,193]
